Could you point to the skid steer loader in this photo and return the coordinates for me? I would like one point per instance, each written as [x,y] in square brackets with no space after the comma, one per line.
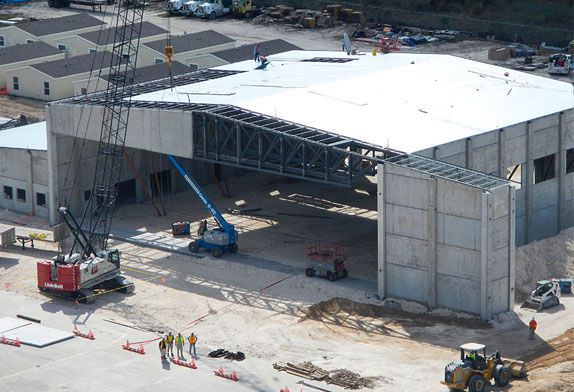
[546,295]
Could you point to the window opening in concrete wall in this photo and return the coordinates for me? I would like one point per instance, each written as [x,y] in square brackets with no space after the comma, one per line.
[126,57]
[16,83]
[514,175]
[544,169]
[159,61]
[61,47]
[92,51]
[20,194]
[8,192]
[40,199]
[46,88]
[84,91]
[87,195]
[30,41]
[570,160]
[1,40]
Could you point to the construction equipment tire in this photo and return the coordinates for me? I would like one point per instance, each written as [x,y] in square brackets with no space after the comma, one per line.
[310,272]
[212,15]
[233,248]
[331,276]
[85,296]
[477,383]
[216,252]
[193,247]
[501,375]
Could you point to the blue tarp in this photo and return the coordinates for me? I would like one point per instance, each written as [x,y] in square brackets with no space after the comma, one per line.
[13,1]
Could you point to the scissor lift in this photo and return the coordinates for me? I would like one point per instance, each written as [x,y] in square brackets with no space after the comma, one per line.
[327,259]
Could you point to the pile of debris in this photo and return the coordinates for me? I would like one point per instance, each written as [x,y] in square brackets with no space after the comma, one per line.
[298,17]
[341,377]
[222,353]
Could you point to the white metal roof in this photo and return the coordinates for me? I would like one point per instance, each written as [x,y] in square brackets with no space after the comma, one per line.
[472,346]
[405,101]
[32,137]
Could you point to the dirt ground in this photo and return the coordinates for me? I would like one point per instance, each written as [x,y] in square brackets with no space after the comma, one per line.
[11,107]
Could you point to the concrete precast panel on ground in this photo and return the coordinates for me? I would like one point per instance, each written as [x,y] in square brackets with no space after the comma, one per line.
[33,334]
[445,243]
[9,323]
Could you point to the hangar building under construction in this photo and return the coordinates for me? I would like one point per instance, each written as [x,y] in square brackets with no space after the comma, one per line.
[471,159]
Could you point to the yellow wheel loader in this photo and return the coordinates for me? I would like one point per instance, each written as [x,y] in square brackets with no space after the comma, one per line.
[475,370]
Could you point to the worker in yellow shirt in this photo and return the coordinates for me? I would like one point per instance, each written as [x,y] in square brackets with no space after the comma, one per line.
[179,343]
[169,340]
[192,339]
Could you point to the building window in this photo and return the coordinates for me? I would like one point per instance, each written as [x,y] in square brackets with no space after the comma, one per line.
[570,160]
[16,83]
[92,51]
[40,199]
[126,57]
[46,88]
[30,41]
[61,47]
[87,195]
[84,90]
[8,192]
[159,61]
[20,194]
[544,168]
[1,40]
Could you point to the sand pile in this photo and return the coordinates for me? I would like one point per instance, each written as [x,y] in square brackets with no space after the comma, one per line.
[340,310]
[549,258]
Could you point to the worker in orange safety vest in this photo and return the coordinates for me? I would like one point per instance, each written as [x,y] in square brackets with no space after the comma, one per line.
[532,326]
[192,339]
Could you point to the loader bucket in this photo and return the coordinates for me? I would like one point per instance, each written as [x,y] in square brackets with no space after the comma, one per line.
[517,368]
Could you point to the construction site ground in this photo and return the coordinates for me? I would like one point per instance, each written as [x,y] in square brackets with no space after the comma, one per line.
[261,303]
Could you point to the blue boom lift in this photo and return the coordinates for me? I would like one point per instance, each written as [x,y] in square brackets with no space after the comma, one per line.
[217,241]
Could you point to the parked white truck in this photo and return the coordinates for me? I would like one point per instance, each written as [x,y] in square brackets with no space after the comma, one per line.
[189,8]
[174,6]
[213,9]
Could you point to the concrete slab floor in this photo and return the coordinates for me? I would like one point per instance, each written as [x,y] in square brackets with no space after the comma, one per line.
[289,213]
[226,303]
